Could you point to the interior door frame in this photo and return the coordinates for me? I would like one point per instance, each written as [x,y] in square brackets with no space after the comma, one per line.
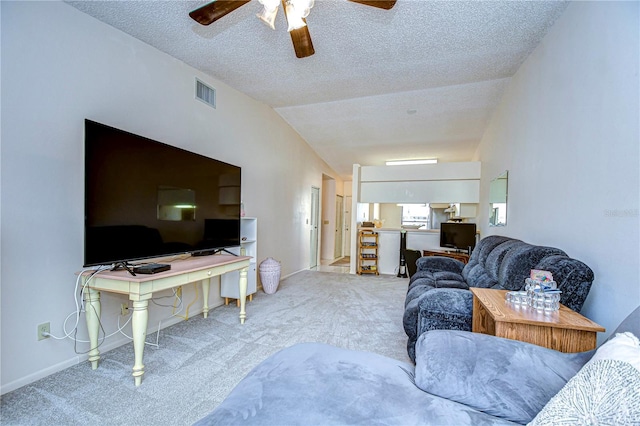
[314,221]
[338,250]
[347,226]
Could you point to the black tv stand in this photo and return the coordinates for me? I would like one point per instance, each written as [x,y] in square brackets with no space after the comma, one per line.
[211,252]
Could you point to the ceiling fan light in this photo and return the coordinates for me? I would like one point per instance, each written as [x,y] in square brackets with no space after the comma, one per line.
[294,18]
[303,6]
[268,17]
[270,4]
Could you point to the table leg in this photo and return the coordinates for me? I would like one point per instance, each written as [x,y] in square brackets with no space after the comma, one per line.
[139,320]
[242,287]
[92,315]
[205,297]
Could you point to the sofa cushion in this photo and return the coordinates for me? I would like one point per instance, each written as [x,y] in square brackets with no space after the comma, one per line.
[483,249]
[496,257]
[418,275]
[572,276]
[318,384]
[477,276]
[451,283]
[445,308]
[502,377]
[417,289]
[436,309]
[482,269]
[630,323]
[439,263]
[410,319]
[517,263]
[447,276]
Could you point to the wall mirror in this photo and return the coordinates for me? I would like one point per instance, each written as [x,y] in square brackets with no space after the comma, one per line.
[498,200]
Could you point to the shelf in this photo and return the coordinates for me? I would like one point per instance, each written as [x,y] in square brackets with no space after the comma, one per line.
[367,252]
[229,286]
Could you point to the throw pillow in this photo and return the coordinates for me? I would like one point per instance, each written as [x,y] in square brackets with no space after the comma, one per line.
[605,392]
[623,347]
[501,377]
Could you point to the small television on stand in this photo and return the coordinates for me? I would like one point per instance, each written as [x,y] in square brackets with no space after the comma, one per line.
[458,236]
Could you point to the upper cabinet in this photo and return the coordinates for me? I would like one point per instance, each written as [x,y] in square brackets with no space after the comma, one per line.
[432,183]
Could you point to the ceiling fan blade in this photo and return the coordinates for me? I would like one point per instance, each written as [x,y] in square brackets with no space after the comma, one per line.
[381,4]
[302,42]
[215,10]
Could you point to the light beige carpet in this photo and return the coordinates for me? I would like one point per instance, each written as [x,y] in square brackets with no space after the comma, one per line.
[200,360]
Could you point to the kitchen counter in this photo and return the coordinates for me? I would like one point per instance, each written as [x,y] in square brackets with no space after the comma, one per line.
[389,245]
[432,231]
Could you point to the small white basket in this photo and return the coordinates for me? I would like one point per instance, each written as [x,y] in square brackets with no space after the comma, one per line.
[270,275]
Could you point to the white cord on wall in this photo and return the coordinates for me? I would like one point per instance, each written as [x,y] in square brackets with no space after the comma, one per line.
[80,308]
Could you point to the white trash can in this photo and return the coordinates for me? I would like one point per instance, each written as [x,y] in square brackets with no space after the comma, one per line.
[270,275]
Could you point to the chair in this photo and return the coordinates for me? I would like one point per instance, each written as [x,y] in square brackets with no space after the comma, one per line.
[411,256]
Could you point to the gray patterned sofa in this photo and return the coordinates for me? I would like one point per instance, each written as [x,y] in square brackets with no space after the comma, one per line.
[460,378]
[438,296]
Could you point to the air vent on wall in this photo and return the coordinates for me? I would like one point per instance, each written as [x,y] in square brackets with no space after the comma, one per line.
[205,93]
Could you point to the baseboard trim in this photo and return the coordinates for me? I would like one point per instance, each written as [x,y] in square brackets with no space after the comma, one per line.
[104,348]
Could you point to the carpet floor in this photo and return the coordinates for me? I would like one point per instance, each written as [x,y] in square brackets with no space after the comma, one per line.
[199,361]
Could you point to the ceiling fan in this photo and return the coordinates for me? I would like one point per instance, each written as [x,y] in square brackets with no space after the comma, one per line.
[295,12]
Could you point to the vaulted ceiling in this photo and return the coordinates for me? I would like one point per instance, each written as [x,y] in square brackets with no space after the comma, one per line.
[418,81]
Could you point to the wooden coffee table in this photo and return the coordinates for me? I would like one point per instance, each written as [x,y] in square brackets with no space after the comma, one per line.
[563,330]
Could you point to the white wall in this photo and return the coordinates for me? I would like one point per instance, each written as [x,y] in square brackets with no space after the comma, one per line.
[567,132]
[60,66]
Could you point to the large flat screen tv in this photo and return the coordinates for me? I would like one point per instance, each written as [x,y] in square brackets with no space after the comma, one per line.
[459,236]
[146,199]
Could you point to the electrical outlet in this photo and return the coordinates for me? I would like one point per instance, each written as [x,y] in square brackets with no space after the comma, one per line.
[42,329]
[124,309]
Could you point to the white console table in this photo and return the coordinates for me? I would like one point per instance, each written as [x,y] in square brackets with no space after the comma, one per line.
[140,289]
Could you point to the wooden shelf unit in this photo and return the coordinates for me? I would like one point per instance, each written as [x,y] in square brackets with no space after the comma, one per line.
[367,252]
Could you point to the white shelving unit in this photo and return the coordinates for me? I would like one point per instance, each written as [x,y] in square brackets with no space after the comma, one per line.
[248,245]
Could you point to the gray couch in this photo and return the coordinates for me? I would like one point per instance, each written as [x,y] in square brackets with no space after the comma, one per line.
[438,295]
[460,378]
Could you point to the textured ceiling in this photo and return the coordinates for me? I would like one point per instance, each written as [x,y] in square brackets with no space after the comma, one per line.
[420,80]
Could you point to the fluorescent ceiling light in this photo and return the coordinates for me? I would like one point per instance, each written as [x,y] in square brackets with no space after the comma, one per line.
[405,162]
